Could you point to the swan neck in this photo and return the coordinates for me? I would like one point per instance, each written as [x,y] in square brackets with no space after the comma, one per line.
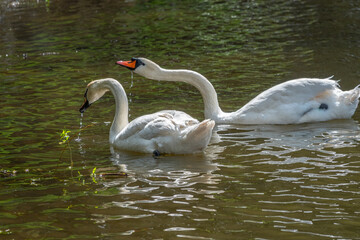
[208,93]
[121,110]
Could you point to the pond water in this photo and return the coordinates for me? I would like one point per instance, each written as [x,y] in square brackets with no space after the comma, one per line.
[252,182]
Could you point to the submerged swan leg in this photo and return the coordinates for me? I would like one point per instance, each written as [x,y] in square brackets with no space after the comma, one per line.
[324,106]
[156,153]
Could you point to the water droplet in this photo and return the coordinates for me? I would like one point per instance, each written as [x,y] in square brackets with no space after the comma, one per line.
[132,77]
[81,118]
[78,139]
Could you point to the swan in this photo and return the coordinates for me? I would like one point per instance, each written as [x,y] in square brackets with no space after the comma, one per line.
[292,102]
[167,131]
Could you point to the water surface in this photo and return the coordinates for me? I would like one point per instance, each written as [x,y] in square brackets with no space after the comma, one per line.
[252,182]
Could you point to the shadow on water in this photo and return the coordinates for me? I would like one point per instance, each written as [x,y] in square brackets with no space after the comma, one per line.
[245,146]
[281,139]
[178,170]
[274,171]
[252,182]
[143,163]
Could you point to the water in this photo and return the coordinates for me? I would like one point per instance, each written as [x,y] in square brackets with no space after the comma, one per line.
[252,182]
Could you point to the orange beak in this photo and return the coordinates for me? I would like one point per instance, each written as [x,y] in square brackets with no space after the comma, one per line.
[128,64]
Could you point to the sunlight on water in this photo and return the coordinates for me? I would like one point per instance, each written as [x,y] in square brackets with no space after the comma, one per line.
[251,182]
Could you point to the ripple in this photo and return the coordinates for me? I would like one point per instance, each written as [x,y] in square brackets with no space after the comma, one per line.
[252,182]
[193,237]
[179,229]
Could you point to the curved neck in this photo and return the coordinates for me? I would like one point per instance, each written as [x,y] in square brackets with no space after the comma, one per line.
[121,109]
[208,93]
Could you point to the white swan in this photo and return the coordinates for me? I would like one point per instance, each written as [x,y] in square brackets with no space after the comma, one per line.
[295,101]
[166,131]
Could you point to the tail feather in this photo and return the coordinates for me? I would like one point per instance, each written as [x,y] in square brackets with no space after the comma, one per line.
[355,94]
[201,133]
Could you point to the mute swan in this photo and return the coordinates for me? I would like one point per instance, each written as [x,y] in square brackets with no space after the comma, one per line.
[295,101]
[166,131]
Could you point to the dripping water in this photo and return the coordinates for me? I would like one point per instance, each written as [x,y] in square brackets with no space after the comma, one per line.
[131,85]
[132,78]
[78,139]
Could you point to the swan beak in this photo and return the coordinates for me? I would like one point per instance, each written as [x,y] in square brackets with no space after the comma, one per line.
[85,105]
[132,65]
[128,64]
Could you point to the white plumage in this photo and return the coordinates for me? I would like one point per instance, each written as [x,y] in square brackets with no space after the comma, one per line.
[295,101]
[166,131]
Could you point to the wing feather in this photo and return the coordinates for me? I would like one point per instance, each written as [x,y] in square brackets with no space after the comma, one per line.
[159,123]
[297,91]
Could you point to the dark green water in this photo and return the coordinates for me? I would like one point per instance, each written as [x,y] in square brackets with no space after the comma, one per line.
[252,182]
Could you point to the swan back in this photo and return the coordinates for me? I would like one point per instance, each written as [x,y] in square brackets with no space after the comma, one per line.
[166,131]
[298,101]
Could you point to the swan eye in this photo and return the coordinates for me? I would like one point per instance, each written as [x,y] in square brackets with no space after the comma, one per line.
[139,62]
[323,106]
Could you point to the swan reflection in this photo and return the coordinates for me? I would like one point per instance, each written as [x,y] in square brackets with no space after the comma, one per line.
[334,134]
[288,142]
[170,171]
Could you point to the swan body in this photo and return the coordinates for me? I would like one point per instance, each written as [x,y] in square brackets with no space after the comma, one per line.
[168,131]
[292,102]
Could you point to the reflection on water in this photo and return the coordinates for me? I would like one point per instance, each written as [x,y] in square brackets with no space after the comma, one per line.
[295,178]
[280,141]
[252,182]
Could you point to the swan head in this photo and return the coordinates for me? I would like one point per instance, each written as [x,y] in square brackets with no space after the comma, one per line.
[142,66]
[94,91]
